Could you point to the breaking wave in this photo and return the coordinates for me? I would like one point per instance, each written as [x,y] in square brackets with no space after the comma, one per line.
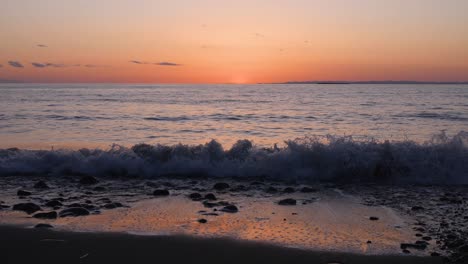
[441,160]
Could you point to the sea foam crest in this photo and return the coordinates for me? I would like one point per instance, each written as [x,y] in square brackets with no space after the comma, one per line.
[441,160]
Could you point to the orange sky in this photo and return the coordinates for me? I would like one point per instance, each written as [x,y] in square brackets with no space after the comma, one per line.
[242,42]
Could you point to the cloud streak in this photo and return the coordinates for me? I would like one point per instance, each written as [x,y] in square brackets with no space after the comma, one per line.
[47,64]
[162,63]
[42,46]
[15,64]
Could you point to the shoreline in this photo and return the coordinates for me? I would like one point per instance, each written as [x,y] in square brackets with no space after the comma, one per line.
[25,245]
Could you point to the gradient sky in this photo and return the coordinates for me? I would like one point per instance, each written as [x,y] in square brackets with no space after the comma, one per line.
[243,41]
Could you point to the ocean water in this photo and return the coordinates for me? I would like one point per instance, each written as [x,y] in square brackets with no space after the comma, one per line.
[363,132]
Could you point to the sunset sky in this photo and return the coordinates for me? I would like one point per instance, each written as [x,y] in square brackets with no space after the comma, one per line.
[243,41]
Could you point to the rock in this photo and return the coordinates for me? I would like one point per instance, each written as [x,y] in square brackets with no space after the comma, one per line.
[74,211]
[210,196]
[53,203]
[308,190]
[406,251]
[221,186]
[88,180]
[161,192]
[271,190]
[26,207]
[373,218]
[417,208]
[195,196]
[239,188]
[230,209]
[463,249]
[288,201]
[435,254]
[48,215]
[99,189]
[112,205]
[427,238]
[202,221]
[369,242]
[41,185]
[210,205]
[43,226]
[23,193]
[289,190]
[414,246]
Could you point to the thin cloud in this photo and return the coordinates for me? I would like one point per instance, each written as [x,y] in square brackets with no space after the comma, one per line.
[165,63]
[1,66]
[259,35]
[42,46]
[95,66]
[47,64]
[15,64]
[138,62]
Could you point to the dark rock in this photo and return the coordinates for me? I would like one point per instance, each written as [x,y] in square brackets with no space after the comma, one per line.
[417,208]
[41,185]
[48,215]
[289,190]
[74,211]
[161,192]
[406,251]
[373,218]
[210,205]
[26,207]
[369,242]
[230,209]
[53,203]
[99,189]
[23,193]
[210,196]
[435,254]
[463,249]
[221,186]
[43,226]
[113,205]
[88,180]
[271,190]
[288,201]
[202,221]
[427,238]
[308,190]
[239,188]
[195,196]
[414,246]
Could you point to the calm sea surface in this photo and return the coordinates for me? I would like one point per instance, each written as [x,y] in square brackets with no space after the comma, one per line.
[98,115]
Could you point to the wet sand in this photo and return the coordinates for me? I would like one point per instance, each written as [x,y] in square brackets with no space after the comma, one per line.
[23,245]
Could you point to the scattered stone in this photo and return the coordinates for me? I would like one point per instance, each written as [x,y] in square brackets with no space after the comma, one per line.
[287,201]
[53,203]
[43,226]
[369,242]
[427,238]
[373,218]
[230,209]
[23,193]
[113,205]
[195,196]
[202,221]
[210,196]
[88,180]
[288,190]
[308,190]
[48,215]
[161,192]
[29,208]
[41,185]
[221,186]
[74,211]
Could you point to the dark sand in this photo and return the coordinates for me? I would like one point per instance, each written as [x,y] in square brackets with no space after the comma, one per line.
[20,245]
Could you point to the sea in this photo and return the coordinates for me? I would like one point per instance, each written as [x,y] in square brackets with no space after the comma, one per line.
[405,133]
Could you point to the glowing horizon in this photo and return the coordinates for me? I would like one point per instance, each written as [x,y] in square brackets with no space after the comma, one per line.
[208,41]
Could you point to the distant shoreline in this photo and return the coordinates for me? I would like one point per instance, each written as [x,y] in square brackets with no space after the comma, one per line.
[368,82]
